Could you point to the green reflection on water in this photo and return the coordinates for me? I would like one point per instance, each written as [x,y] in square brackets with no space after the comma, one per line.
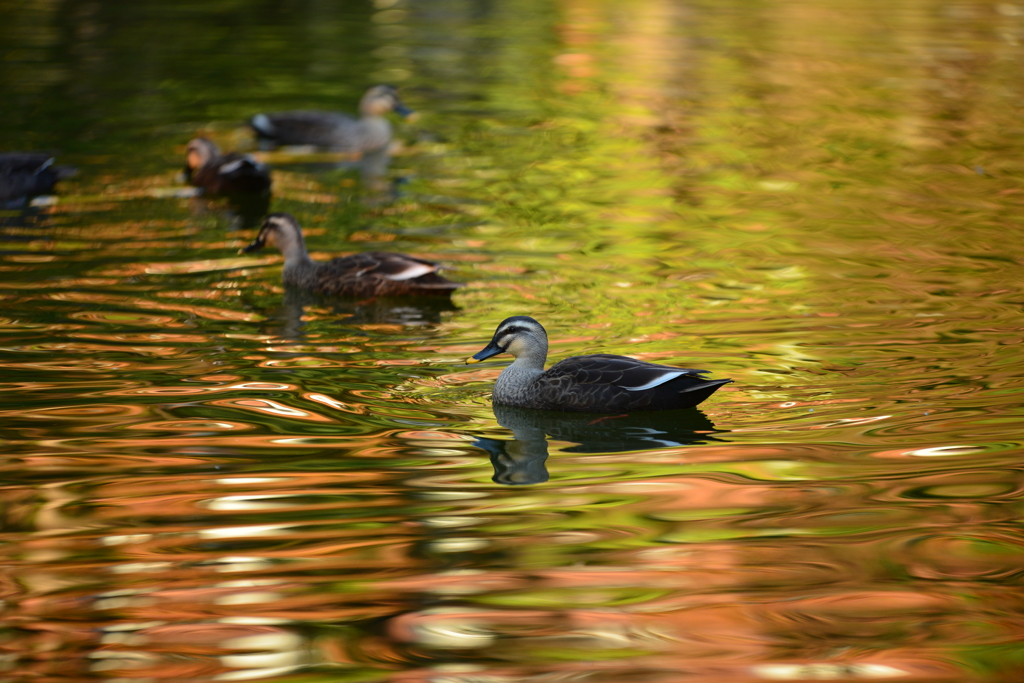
[818,201]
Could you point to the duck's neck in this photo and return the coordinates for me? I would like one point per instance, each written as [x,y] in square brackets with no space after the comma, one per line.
[293,246]
[374,131]
[527,367]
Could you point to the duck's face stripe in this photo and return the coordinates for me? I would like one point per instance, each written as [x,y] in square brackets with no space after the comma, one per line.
[518,326]
[505,337]
[511,331]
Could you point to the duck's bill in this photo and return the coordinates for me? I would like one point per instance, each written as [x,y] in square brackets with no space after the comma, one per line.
[404,111]
[491,349]
[253,246]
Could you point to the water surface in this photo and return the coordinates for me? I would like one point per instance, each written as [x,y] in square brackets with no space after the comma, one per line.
[208,477]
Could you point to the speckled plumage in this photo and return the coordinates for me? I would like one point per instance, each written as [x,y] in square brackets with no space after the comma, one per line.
[373,273]
[371,132]
[224,174]
[596,383]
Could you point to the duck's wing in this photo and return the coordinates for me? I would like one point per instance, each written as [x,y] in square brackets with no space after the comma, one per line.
[320,128]
[608,383]
[242,172]
[402,268]
[235,165]
[24,162]
[382,273]
[626,373]
[398,267]
[25,174]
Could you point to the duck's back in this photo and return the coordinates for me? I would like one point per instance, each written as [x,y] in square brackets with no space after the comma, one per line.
[610,383]
[232,173]
[309,127]
[27,174]
[373,273]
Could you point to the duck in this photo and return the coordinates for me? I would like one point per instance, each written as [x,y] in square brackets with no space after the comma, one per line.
[368,274]
[371,132]
[598,383]
[29,174]
[224,174]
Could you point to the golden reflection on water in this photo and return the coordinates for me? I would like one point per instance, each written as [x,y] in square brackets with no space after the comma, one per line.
[208,477]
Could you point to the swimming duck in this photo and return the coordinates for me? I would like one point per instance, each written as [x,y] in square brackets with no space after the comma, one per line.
[600,383]
[373,273]
[371,132]
[29,174]
[224,174]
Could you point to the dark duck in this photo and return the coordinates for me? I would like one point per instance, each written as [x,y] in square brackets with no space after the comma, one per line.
[599,383]
[374,273]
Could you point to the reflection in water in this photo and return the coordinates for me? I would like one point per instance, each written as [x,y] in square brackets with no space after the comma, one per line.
[521,461]
[299,306]
[517,462]
[813,197]
[239,211]
[371,167]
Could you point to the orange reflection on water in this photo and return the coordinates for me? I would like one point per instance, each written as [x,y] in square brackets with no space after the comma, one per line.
[90,412]
[303,361]
[155,305]
[269,407]
[194,390]
[196,425]
[142,337]
[335,404]
[101,349]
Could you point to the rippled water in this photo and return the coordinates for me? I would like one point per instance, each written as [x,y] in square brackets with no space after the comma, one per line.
[207,477]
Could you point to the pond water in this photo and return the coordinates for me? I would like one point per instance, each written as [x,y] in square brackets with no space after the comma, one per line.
[208,477]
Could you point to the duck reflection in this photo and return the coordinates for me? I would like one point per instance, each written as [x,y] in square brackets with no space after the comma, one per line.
[238,211]
[287,320]
[522,460]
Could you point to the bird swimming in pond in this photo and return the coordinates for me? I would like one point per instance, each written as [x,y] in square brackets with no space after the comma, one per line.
[371,132]
[24,175]
[374,273]
[599,383]
[224,174]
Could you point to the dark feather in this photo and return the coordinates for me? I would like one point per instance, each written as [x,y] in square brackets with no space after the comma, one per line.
[29,174]
[232,173]
[369,274]
[368,134]
[373,273]
[318,128]
[600,383]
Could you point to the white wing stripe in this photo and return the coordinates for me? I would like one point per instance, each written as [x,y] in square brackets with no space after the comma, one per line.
[412,271]
[262,123]
[656,382]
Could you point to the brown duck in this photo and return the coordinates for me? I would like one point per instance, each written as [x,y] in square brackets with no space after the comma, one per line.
[224,174]
[373,273]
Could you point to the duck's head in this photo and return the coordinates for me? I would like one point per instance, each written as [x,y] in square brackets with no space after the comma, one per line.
[279,230]
[518,335]
[380,99]
[199,152]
